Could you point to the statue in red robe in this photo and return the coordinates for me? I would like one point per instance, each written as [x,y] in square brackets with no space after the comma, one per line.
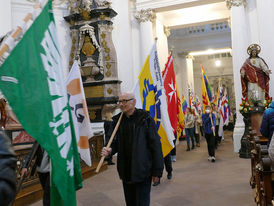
[255,75]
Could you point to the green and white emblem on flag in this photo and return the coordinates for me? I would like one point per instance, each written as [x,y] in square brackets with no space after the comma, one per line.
[31,79]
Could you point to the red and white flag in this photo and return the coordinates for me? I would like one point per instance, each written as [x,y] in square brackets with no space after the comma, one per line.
[78,105]
[171,92]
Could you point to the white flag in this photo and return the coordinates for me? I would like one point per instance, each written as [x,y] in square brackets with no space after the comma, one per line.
[78,105]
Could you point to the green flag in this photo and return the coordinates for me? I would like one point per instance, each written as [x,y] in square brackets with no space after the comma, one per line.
[31,79]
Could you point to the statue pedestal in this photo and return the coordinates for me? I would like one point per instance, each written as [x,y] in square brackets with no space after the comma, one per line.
[253,119]
[245,144]
[256,120]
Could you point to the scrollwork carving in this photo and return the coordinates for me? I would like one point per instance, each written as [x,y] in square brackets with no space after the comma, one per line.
[145,15]
[230,3]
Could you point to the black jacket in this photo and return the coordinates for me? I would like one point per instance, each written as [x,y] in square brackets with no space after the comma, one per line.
[146,156]
[7,171]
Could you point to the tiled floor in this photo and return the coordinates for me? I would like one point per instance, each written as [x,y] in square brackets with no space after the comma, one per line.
[195,182]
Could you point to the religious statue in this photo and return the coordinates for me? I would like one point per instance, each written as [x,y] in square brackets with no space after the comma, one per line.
[255,76]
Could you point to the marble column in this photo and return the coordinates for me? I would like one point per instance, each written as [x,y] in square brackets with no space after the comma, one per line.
[146,19]
[5,17]
[240,43]
[266,30]
[183,66]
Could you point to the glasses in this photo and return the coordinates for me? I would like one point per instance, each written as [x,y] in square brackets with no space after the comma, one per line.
[123,101]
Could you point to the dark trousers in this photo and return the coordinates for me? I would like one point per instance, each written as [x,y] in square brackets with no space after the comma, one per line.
[168,163]
[137,194]
[173,151]
[210,140]
[189,135]
[45,182]
[216,135]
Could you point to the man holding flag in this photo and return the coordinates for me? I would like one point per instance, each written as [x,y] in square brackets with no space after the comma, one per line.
[138,146]
[209,119]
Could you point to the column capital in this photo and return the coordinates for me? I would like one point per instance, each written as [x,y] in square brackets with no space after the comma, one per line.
[230,3]
[145,15]
[167,31]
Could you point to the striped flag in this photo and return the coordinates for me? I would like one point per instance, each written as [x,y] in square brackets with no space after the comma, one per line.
[206,90]
[78,105]
[150,95]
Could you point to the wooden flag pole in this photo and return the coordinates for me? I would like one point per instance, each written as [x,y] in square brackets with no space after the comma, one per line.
[109,143]
[19,29]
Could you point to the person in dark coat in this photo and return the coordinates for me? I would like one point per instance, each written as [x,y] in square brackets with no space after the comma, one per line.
[7,171]
[139,151]
[267,126]
[209,122]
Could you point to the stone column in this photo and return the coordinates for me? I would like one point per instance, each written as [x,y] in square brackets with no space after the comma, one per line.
[146,18]
[183,66]
[266,30]
[5,17]
[239,38]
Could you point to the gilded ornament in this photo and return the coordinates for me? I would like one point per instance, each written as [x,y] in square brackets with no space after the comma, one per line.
[88,49]
[85,14]
[73,48]
[72,22]
[107,58]
[71,55]
[102,16]
[92,114]
[104,43]
[103,35]
[108,73]
[108,65]
[73,40]
[70,62]
[107,50]
[109,90]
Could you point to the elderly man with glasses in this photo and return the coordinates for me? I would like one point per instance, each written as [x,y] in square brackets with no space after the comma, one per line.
[140,158]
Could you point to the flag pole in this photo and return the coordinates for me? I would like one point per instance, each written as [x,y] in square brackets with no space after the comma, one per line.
[109,143]
[212,123]
[19,30]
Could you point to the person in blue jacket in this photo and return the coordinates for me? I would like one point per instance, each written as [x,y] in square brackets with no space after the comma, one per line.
[209,122]
[267,126]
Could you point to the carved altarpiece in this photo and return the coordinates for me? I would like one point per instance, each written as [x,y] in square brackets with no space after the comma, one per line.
[91,33]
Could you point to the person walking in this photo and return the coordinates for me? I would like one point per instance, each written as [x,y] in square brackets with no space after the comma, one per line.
[209,121]
[139,151]
[189,129]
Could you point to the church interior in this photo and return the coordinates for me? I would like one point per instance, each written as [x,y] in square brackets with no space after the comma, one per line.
[111,40]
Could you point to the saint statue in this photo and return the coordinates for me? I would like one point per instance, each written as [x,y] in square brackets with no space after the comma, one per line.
[255,76]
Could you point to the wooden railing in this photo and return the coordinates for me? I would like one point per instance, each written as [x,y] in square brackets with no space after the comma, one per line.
[31,190]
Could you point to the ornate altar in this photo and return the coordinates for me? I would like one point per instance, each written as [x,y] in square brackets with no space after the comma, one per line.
[91,33]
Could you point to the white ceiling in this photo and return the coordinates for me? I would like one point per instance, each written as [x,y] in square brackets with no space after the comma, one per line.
[194,16]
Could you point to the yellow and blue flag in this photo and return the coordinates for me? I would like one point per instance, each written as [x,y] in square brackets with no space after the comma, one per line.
[150,95]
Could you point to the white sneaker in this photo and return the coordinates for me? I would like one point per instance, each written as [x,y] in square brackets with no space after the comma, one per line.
[173,158]
[209,158]
[212,159]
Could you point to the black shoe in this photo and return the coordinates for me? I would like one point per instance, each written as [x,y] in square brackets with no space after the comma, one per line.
[188,149]
[169,175]
[193,147]
[156,183]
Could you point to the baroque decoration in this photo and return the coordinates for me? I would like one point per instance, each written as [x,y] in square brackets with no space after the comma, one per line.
[230,3]
[145,15]
[92,46]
